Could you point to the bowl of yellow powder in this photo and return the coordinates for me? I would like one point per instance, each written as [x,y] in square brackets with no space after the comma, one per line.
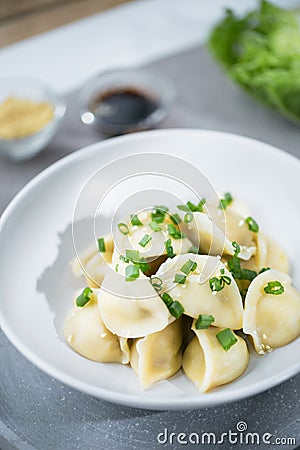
[30,115]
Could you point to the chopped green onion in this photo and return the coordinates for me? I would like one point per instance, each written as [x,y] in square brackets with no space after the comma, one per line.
[217,284]
[196,208]
[156,282]
[184,208]
[194,249]
[101,245]
[226,338]
[84,297]
[154,226]
[189,266]
[132,272]
[175,219]
[135,220]
[188,217]
[191,207]
[234,265]
[180,278]
[203,322]
[142,264]
[274,287]
[253,226]
[123,228]
[224,202]
[122,258]
[174,232]
[168,300]
[176,309]
[117,268]
[132,255]
[169,249]
[158,215]
[145,240]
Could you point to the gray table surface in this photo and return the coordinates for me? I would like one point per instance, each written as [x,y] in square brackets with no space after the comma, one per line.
[38,412]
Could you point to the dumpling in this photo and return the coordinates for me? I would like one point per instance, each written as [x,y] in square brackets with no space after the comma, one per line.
[208,365]
[236,229]
[276,257]
[239,207]
[151,241]
[85,332]
[157,356]
[196,294]
[272,311]
[92,264]
[131,309]
[211,239]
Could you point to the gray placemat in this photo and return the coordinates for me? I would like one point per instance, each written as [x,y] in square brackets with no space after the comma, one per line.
[39,413]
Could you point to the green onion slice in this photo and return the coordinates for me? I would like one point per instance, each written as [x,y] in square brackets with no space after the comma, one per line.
[175,219]
[224,202]
[84,297]
[101,245]
[174,232]
[159,213]
[123,228]
[132,255]
[226,338]
[169,248]
[176,309]
[180,278]
[134,219]
[132,272]
[168,300]
[189,266]
[203,322]
[253,226]
[154,226]
[156,282]
[274,287]
[188,217]
[145,240]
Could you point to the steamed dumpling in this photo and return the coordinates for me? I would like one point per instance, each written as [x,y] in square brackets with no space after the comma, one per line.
[155,250]
[208,365]
[276,257]
[239,207]
[131,309]
[236,229]
[86,333]
[203,232]
[196,295]
[92,264]
[157,356]
[259,260]
[272,320]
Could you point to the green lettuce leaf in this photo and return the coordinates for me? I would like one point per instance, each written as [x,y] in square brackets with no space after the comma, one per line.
[261,52]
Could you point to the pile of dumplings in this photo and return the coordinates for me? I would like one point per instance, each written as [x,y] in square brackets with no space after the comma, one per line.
[174,289]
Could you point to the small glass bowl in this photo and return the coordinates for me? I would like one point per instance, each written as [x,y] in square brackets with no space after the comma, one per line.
[21,87]
[152,84]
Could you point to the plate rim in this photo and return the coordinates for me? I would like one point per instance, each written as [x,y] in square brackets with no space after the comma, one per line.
[128,399]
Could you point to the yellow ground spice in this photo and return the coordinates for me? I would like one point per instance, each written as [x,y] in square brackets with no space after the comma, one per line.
[21,117]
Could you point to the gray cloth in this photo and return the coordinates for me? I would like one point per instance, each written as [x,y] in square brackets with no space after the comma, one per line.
[37,412]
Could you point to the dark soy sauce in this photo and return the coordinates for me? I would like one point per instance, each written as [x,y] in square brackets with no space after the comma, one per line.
[122,110]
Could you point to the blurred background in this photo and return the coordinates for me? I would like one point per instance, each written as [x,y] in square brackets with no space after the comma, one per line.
[21,19]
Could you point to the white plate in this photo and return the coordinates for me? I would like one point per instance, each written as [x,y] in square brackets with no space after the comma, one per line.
[36,284]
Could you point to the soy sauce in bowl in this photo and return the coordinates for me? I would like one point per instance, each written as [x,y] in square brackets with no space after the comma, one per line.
[125,101]
[123,108]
